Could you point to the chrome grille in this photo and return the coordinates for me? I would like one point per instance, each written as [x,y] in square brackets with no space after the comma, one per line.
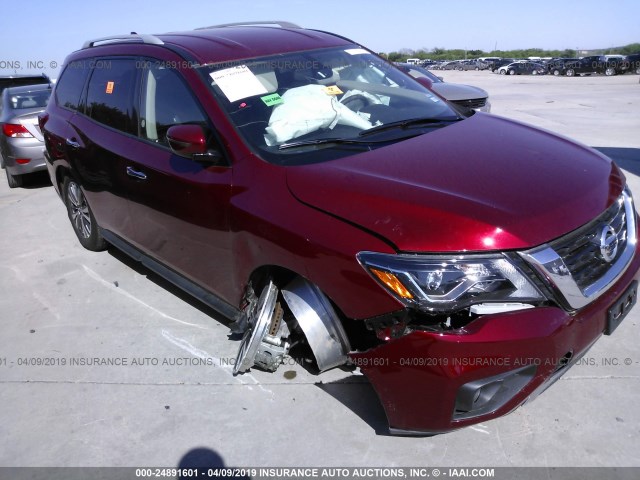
[580,250]
[574,265]
[471,103]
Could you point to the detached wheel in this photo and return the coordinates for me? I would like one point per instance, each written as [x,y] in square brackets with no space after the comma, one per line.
[14,181]
[82,219]
[570,72]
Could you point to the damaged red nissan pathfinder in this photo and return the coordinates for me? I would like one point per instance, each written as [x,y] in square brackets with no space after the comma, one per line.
[327,203]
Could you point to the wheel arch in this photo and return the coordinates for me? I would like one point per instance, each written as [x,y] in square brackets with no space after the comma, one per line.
[356,332]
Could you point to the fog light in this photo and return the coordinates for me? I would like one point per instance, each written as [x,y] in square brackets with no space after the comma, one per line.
[486,395]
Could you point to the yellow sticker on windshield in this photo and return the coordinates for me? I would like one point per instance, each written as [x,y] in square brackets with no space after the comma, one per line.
[333,90]
[109,88]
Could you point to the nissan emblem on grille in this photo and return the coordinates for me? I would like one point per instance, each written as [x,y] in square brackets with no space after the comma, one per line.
[608,243]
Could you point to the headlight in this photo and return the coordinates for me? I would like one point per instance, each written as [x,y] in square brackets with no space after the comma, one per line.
[445,284]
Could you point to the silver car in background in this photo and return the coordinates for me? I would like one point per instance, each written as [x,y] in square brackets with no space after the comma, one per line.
[463,95]
[21,142]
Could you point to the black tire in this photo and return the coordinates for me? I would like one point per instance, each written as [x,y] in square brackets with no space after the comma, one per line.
[570,72]
[609,72]
[14,181]
[556,72]
[535,72]
[502,72]
[82,220]
[512,72]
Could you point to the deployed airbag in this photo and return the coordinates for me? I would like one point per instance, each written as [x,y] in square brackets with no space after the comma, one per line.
[307,109]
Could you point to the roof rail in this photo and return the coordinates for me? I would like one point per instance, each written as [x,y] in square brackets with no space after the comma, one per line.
[280,23]
[144,38]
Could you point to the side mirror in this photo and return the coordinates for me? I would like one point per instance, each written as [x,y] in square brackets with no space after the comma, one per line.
[186,140]
[189,141]
[424,81]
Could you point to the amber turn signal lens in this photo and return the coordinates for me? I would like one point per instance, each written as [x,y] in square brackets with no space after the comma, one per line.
[392,282]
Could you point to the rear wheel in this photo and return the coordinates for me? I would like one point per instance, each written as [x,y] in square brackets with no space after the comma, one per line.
[503,72]
[610,72]
[14,181]
[535,72]
[82,219]
[570,72]
[512,72]
[556,72]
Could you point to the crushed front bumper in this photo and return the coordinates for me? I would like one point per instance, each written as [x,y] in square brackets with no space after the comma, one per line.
[435,382]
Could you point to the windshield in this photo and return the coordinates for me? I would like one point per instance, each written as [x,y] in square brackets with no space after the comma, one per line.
[324,103]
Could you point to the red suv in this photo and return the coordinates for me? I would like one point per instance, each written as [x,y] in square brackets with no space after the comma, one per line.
[329,205]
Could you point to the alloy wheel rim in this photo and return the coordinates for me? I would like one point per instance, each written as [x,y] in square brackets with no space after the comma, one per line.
[79,211]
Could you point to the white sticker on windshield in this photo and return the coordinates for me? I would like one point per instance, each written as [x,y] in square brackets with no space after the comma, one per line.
[238,82]
[356,51]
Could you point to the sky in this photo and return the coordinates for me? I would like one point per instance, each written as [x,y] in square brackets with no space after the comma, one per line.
[40,40]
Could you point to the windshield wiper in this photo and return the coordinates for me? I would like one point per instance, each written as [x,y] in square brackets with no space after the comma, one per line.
[323,141]
[412,122]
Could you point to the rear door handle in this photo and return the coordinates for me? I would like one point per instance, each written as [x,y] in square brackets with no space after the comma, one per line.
[72,143]
[132,172]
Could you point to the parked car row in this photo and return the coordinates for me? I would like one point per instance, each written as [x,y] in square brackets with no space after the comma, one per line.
[460,65]
[22,98]
[595,64]
[602,64]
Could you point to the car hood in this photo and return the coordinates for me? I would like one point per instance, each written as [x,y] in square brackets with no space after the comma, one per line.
[456,91]
[485,183]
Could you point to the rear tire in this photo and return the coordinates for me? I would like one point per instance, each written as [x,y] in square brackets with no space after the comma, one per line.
[81,217]
[512,72]
[503,72]
[14,181]
[556,73]
[609,72]
[570,72]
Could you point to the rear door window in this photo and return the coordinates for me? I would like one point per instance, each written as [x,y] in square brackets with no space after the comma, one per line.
[69,87]
[111,94]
